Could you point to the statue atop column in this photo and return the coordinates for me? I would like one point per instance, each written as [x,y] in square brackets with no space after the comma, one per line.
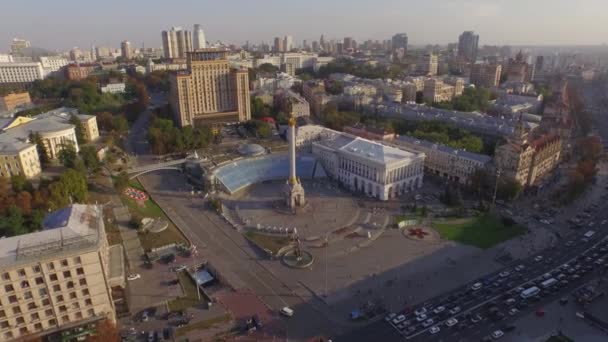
[294,192]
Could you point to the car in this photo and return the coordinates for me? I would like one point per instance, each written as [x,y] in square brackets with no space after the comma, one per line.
[179,268]
[563,301]
[133,276]
[410,330]
[451,322]
[428,323]
[455,310]
[421,318]
[434,329]
[390,316]
[151,337]
[497,334]
[569,243]
[144,316]
[421,311]
[398,319]
[476,319]
[439,309]
[476,286]
[513,312]
[286,311]
[510,301]
[538,258]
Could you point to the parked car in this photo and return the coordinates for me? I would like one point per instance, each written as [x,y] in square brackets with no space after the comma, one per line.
[286,311]
[497,334]
[133,276]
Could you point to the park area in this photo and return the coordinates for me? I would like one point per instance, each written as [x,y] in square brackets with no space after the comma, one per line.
[483,231]
[268,242]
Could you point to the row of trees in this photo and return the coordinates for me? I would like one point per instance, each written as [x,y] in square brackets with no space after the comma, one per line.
[165,138]
[472,99]
[360,70]
[23,208]
[446,134]
[589,151]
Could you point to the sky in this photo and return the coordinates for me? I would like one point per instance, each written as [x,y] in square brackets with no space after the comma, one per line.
[63,24]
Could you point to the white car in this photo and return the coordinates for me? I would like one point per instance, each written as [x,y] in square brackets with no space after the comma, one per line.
[451,322]
[520,268]
[180,268]
[439,309]
[390,316]
[420,312]
[513,312]
[133,276]
[505,274]
[286,311]
[497,334]
[398,319]
[476,286]
[421,318]
[434,329]
[538,258]
[428,323]
[455,310]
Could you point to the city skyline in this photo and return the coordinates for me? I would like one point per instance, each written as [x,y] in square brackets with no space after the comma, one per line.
[497,22]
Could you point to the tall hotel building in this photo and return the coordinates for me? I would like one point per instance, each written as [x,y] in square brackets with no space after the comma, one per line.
[210,91]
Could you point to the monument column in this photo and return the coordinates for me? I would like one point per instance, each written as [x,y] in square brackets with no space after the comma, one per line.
[294,192]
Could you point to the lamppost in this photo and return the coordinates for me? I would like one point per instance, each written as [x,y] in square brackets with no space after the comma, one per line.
[194,255]
[326,247]
[498,172]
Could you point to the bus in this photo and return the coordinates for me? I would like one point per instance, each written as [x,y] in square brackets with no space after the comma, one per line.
[530,292]
[548,283]
[589,234]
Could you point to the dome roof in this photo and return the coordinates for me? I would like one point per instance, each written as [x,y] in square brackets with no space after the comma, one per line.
[251,150]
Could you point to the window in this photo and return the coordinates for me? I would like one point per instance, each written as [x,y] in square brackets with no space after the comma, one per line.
[65,318]
[35,316]
[6,276]
[16,310]
[52,322]
[91,312]
[79,315]
[53,277]
[51,266]
[25,284]
[63,308]
[12,299]
[85,292]
[2,313]
[79,271]
[20,320]
[9,288]
[72,295]
[48,312]
[46,302]
[77,260]
[43,292]
[64,263]
[56,288]
[27,295]
[38,326]
[83,281]
[8,335]
[88,302]
[4,324]
[75,305]
[39,281]
[31,306]
[70,284]
[36,269]
[60,298]
[67,274]
[23,331]
[21,272]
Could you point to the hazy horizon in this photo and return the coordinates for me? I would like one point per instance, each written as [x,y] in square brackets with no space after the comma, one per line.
[63,24]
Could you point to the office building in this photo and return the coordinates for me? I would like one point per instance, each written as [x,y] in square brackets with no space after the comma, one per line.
[528,160]
[427,64]
[444,161]
[52,64]
[199,40]
[177,42]
[56,279]
[485,74]
[314,92]
[12,101]
[518,70]
[80,71]
[288,43]
[442,90]
[18,45]
[125,50]
[20,73]
[399,42]
[210,91]
[468,45]
[278,45]
[288,101]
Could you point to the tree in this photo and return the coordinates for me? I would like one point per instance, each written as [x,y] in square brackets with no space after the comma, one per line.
[121,181]
[105,121]
[88,155]
[105,331]
[79,129]
[23,201]
[12,223]
[419,97]
[70,188]
[509,188]
[67,155]
[120,124]
[36,138]
[268,68]
[20,183]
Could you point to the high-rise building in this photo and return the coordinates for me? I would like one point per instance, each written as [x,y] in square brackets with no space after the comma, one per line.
[75,54]
[177,42]
[59,277]
[399,41]
[427,64]
[468,43]
[322,43]
[315,46]
[125,50]
[518,70]
[288,43]
[486,74]
[210,91]
[18,45]
[199,40]
[348,43]
[278,45]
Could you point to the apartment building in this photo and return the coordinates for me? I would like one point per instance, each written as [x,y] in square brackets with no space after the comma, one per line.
[441,90]
[52,64]
[290,102]
[444,161]
[427,64]
[485,74]
[80,71]
[12,101]
[55,279]
[314,93]
[177,42]
[211,91]
[20,73]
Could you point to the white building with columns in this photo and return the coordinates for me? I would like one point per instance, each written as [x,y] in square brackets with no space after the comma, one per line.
[378,170]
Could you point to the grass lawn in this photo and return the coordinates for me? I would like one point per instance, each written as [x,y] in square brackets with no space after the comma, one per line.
[272,243]
[190,297]
[561,338]
[202,325]
[483,231]
[151,209]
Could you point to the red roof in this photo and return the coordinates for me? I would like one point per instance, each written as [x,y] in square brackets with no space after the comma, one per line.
[268,119]
[544,140]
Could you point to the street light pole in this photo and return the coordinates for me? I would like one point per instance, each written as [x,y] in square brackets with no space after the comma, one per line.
[498,171]
[326,246]
[194,254]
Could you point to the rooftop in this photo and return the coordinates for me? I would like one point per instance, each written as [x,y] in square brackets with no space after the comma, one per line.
[65,230]
[482,158]
[377,152]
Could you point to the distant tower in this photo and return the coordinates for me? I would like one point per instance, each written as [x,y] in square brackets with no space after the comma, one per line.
[198,39]
[294,192]
[125,49]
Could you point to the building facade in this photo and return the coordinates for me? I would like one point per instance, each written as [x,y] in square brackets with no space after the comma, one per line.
[52,64]
[427,64]
[441,90]
[468,44]
[55,279]
[20,73]
[485,74]
[446,162]
[290,102]
[14,100]
[76,72]
[210,91]
[177,42]
[199,41]
[125,50]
